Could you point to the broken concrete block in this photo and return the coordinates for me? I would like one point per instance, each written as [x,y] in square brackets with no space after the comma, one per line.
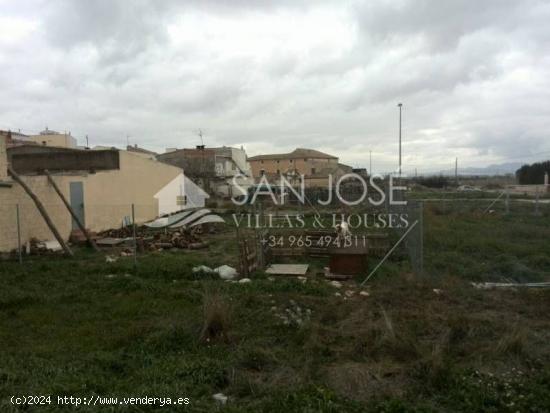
[226,272]
[336,284]
[220,398]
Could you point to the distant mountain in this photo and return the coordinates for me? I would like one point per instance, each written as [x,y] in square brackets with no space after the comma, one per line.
[496,169]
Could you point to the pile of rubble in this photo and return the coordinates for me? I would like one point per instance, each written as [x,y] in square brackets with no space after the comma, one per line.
[146,240]
[37,247]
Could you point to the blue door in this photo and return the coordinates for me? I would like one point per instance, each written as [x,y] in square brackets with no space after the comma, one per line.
[77,202]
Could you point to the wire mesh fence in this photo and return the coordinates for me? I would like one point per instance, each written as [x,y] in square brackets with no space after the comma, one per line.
[22,227]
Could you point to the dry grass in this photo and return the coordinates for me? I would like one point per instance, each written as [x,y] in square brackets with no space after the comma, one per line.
[397,343]
[218,317]
[514,342]
[365,381]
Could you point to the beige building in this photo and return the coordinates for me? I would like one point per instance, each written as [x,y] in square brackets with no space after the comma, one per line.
[52,138]
[3,159]
[316,166]
[101,186]
[221,171]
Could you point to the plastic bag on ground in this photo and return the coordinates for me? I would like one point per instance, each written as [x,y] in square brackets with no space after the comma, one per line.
[226,272]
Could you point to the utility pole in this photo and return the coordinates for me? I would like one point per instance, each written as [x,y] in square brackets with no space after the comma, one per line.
[400,105]
[456,171]
[87,142]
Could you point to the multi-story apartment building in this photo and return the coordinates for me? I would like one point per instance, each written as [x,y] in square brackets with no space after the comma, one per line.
[314,165]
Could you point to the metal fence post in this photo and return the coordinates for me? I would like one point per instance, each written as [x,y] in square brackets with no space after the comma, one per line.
[537,211]
[507,202]
[134,236]
[19,251]
[421,218]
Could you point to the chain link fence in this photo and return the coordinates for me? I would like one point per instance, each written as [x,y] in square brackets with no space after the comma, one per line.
[410,235]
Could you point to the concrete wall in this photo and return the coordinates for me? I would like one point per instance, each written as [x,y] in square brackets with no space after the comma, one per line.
[197,163]
[32,225]
[529,189]
[30,159]
[108,196]
[239,156]
[61,140]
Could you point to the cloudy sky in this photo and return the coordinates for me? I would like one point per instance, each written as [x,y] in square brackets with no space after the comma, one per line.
[474,77]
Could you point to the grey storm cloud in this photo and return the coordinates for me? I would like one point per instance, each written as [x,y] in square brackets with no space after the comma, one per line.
[274,75]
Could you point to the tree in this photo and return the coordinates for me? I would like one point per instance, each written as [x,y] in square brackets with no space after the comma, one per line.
[533,174]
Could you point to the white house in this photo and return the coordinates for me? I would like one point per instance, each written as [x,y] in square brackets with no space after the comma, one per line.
[179,194]
[232,168]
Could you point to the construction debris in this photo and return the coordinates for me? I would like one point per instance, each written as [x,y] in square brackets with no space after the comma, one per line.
[336,284]
[186,219]
[147,240]
[36,247]
[489,285]
[287,269]
[292,315]
[202,269]
[220,398]
[224,271]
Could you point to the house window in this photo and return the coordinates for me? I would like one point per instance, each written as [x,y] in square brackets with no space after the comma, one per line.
[262,172]
[181,200]
[313,171]
[291,161]
[278,172]
[261,161]
[277,161]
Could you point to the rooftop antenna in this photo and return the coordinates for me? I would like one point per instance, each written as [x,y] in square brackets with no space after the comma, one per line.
[201,148]
[200,136]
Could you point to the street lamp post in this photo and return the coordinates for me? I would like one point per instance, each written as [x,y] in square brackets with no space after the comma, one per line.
[400,105]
